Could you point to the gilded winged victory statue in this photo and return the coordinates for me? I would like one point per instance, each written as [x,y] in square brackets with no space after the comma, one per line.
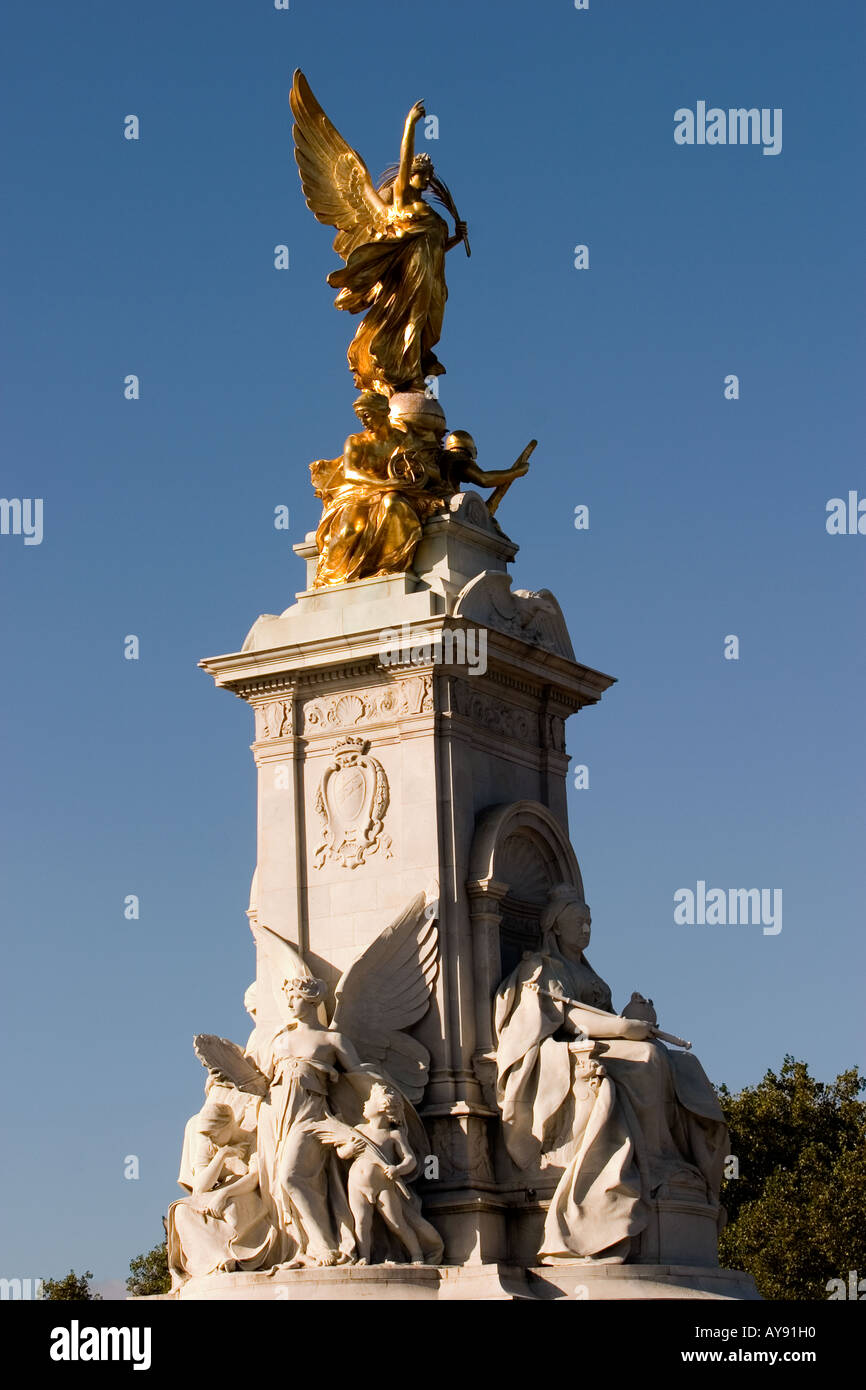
[392,240]
[400,469]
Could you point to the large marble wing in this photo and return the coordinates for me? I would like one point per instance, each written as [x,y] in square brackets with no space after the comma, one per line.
[336,181]
[386,990]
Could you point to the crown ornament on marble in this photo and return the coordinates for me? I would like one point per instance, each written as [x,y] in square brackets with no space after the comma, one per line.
[350,747]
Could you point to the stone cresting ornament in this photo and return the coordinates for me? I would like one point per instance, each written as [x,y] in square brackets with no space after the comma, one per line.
[352,800]
[533,617]
[400,468]
[304,1150]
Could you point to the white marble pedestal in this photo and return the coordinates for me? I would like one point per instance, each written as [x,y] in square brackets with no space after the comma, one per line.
[465,769]
[475,1283]
[382,776]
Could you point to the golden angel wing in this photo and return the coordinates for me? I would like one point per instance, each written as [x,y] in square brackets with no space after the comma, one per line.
[334,177]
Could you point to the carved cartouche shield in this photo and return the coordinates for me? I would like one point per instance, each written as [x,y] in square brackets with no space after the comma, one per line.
[352,800]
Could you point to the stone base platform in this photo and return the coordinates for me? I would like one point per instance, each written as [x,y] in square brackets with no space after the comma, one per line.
[475,1283]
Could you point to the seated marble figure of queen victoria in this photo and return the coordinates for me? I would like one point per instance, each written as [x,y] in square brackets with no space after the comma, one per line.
[597,1093]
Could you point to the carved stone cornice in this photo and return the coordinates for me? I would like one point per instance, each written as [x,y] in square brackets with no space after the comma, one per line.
[511,663]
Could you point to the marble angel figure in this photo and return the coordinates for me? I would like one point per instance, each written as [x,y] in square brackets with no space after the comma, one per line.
[318,1074]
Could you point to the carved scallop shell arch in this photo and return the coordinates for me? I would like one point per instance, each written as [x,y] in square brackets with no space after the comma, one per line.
[527,866]
[520,843]
[519,853]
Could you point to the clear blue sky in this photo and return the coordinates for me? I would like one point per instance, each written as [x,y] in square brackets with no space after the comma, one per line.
[706,515]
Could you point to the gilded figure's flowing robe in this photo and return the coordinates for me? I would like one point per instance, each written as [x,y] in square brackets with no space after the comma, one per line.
[374,528]
[400,282]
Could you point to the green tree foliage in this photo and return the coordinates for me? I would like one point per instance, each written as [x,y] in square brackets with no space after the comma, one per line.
[148,1274]
[73,1288]
[797,1210]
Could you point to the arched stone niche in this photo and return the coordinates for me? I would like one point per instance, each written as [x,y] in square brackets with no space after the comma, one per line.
[519,851]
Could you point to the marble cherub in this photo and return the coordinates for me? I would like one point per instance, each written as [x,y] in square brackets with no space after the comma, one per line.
[382,1159]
